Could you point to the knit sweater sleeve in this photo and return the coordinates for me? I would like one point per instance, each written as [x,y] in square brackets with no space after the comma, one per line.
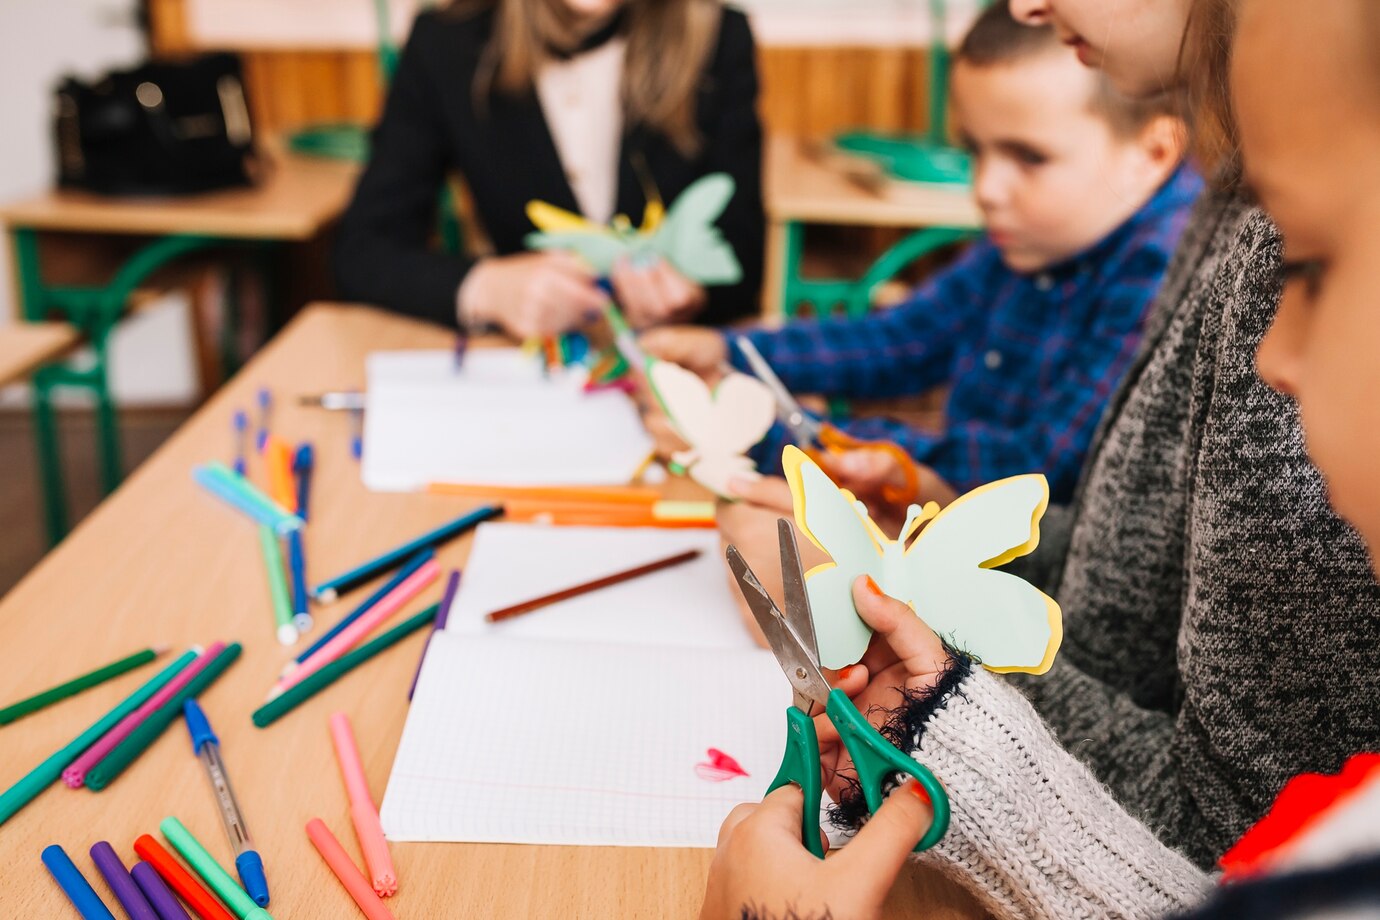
[1032,831]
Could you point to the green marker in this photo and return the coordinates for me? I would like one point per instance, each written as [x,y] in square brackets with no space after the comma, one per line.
[48,772]
[205,865]
[78,684]
[128,751]
[277,585]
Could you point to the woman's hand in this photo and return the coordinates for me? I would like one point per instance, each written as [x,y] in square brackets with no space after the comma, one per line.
[532,294]
[655,293]
[695,348]
[760,863]
[904,655]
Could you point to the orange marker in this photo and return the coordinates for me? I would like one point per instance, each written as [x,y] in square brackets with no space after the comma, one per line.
[282,488]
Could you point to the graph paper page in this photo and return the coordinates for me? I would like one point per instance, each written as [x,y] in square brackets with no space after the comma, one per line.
[530,741]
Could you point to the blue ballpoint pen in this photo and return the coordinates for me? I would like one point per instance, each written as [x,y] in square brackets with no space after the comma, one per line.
[207,748]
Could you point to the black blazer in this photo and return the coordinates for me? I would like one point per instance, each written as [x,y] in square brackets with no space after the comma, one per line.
[430,126]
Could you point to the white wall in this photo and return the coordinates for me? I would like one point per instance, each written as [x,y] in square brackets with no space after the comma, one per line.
[41,41]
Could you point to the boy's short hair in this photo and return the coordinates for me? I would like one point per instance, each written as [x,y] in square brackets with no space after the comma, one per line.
[995,39]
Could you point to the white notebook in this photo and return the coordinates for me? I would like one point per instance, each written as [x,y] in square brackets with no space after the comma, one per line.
[496,421]
[691,604]
[532,741]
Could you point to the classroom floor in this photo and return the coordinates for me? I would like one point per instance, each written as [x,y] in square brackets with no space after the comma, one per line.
[24,541]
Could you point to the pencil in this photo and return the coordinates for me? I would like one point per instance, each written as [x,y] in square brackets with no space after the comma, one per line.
[608,580]
[328,591]
[77,684]
[280,706]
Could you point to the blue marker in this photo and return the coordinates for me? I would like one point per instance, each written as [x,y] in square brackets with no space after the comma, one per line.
[241,441]
[356,433]
[206,746]
[75,885]
[265,405]
[302,463]
[412,565]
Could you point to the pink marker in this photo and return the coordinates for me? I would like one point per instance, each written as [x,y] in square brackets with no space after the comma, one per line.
[363,814]
[75,774]
[351,635]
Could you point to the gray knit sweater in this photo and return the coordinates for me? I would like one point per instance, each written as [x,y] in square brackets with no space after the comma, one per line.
[1222,625]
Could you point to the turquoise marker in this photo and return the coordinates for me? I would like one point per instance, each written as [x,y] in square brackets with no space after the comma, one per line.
[206,746]
[220,481]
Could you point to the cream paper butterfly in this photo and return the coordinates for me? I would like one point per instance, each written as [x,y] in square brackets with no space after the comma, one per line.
[720,426]
[947,573]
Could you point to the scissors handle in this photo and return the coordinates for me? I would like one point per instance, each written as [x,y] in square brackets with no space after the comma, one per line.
[834,440]
[800,765]
[876,760]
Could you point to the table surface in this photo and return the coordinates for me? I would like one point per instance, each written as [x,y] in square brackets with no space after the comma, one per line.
[24,346]
[297,197]
[805,182]
[160,562]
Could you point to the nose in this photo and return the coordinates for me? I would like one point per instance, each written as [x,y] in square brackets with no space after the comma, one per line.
[1031,12]
[989,184]
[1280,356]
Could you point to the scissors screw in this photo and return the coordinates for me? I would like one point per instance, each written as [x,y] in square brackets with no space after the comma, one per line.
[800,673]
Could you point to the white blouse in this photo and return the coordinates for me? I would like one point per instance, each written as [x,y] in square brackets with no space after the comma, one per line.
[581,100]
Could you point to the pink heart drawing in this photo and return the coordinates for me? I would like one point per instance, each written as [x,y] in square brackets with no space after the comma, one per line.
[718,767]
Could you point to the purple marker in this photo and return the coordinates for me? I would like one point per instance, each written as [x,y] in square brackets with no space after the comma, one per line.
[164,902]
[121,883]
[462,342]
[440,623]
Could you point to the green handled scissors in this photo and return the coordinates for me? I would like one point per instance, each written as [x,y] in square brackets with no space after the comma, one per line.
[792,639]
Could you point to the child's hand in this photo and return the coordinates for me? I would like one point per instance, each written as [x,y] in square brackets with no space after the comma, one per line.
[702,351]
[656,293]
[760,861]
[866,471]
[531,294]
[904,654]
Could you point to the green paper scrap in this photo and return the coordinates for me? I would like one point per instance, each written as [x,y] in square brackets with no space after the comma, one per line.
[128,751]
[50,770]
[686,237]
[289,700]
[205,865]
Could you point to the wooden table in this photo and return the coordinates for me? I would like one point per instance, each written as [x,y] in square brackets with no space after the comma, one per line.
[807,184]
[25,346]
[295,200]
[161,562]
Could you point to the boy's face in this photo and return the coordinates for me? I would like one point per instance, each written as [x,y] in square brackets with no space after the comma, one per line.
[1051,177]
[1307,95]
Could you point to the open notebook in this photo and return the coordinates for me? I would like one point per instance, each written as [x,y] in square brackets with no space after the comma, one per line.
[533,741]
[603,719]
[495,421]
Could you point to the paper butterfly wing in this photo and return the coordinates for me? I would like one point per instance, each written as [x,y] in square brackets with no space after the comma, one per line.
[688,239]
[719,426]
[948,574]
[600,250]
[832,520]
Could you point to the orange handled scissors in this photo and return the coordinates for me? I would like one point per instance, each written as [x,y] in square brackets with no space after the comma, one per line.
[817,437]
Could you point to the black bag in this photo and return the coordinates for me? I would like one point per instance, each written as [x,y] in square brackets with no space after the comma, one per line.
[163,128]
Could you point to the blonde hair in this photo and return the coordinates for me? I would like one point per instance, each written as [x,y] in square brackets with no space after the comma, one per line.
[669,43]
[1205,72]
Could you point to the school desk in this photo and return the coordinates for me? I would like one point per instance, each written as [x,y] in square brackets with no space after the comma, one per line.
[159,561]
[26,346]
[296,199]
[805,183]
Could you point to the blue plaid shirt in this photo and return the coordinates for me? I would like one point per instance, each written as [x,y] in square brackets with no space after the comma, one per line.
[1032,359]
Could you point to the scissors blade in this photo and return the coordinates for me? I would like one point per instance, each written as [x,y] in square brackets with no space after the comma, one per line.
[804,428]
[791,654]
[798,615]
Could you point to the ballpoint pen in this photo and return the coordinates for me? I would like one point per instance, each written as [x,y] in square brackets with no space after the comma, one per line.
[207,748]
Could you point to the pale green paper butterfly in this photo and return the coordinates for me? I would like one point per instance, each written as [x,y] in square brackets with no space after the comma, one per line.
[685,237]
[946,574]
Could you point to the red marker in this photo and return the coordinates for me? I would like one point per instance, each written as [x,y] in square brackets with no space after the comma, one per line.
[180,880]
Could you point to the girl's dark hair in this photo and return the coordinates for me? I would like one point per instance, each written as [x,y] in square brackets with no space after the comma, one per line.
[996,39]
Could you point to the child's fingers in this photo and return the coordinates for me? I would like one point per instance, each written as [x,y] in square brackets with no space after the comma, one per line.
[907,635]
[874,857]
[767,491]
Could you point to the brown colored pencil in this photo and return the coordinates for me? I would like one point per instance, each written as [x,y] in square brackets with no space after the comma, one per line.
[577,590]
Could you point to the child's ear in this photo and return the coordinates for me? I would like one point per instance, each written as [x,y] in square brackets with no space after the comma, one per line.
[1164,139]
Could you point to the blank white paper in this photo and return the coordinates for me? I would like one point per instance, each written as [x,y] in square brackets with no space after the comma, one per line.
[531,741]
[691,604]
[496,421]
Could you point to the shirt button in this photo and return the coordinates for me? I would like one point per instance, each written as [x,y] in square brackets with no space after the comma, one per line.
[992,359]
[1044,281]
